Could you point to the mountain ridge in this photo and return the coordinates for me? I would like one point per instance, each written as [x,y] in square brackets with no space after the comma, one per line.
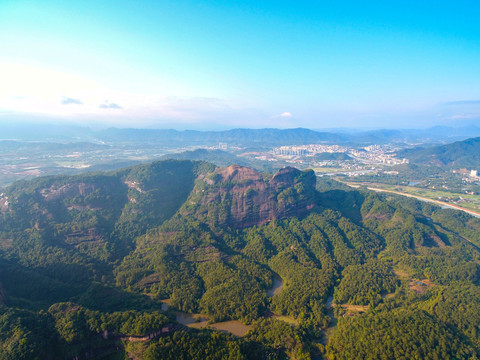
[88,256]
[240,197]
[460,154]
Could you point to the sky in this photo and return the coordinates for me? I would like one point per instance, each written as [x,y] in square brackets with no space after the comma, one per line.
[225,64]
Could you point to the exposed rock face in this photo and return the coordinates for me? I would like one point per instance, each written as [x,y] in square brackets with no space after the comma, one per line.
[3,204]
[68,190]
[240,197]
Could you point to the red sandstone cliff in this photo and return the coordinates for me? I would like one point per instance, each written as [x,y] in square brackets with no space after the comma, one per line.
[240,197]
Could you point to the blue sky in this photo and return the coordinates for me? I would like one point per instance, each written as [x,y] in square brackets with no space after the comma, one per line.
[315,64]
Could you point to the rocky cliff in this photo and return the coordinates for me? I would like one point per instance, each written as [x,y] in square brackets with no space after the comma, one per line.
[240,197]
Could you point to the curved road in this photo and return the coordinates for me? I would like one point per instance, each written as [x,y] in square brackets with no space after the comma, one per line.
[437,202]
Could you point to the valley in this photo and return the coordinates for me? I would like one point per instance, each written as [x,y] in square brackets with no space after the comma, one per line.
[250,263]
[239,180]
[469,204]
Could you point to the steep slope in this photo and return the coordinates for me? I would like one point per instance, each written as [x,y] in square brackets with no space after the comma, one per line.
[73,228]
[457,155]
[240,197]
[212,240]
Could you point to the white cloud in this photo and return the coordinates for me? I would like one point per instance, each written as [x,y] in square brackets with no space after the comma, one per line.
[37,92]
[464,116]
[284,115]
[107,105]
[70,101]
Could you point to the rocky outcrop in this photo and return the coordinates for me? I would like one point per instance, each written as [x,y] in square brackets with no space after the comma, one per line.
[67,191]
[3,203]
[240,197]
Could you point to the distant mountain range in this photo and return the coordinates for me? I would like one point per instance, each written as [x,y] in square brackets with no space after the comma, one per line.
[460,154]
[244,137]
[250,137]
[434,135]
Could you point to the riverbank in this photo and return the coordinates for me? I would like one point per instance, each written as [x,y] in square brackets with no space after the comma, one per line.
[234,327]
[421,198]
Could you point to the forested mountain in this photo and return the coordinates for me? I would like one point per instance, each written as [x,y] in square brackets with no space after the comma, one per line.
[240,197]
[223,159]
[86,260]
[244,137]
[278,137]
[248,137]
[460,154]
[218,157]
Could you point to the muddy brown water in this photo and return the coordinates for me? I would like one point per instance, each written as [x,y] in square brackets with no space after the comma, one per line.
[276,287]
[235,327]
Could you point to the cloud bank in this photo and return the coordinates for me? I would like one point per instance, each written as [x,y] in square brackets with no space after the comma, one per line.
[70,101]
[107,105]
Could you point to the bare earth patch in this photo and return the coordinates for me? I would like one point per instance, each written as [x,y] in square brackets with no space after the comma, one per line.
[420,286]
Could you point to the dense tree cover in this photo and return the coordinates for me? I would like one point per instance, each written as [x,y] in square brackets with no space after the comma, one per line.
[459,154]
[26,335]
[193,267]
[363,284]
[156,193]
[225,273]
[116,244]
[271,340]
[313,254]
[460,223]
[397,334]
[326,183]
[279,335]
[94,213]
[444,267]
[67,330]
[308,254]
[404,231]
[457,222]
[206,345]
[224,158]
[186,346]
[305,292]
[457,305]
[235,289]
[70,230]
[74,322]
[26,288]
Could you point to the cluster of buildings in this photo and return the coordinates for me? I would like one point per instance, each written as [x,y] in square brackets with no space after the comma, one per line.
[308,150]
[468,175]
[377,154]
[474,175]
[373,154]
[388,159]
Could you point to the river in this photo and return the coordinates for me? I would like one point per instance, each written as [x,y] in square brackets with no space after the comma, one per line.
[274,290]
[235,327]
[442,204]
[199,321]
[276,287]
